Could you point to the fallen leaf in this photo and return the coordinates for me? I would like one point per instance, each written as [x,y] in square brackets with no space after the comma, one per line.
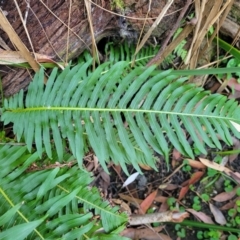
[235,176]
[96,162]
[104,181]
[105,177]
[161,199]
[201,216]
[168,186]
[195,164]
[130,179]
[146,233]
[233,83]
[164,207]
[118,169]
[183,192]
[145,167]
[132,200]
[147,202]
[218,215]
[194,178]
[124,207]
[15,57]
[215,166]
[230,204]
[225,196]
[176,154]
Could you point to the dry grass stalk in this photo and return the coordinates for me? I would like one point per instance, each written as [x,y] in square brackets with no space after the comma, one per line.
[6,26]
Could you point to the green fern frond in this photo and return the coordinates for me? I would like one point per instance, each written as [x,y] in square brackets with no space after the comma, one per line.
[126,51]
[52,196]
[99,109]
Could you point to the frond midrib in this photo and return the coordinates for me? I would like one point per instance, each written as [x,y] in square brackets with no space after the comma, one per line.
[94,206]
[121,110]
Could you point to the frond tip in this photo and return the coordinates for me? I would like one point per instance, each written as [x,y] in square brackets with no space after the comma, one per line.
[122,115]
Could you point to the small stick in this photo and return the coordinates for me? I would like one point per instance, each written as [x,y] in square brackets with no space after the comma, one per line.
[168,216]
[158,56]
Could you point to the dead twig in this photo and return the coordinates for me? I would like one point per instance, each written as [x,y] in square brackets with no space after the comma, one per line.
[175,27]
[168,216]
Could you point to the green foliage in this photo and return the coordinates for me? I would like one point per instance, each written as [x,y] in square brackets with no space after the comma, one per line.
[125,52]
[196,203]
[91,110]
[124,115]
[181,232]
[186,167]
[51,203]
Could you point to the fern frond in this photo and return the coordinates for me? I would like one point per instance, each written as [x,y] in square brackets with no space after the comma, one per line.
[119,113]
[52,196]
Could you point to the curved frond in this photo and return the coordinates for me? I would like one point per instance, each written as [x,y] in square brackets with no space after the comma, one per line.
[120,114]
[49,204]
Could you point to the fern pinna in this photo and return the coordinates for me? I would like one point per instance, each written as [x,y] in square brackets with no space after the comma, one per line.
[123,114]
[51,203]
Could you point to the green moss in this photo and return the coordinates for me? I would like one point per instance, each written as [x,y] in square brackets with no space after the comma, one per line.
[117,4]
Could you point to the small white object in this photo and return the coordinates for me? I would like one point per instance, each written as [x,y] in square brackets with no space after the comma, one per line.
[130,179]
[236,125]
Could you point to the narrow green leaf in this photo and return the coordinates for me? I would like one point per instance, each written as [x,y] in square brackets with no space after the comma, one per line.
[6,217]
[20,231]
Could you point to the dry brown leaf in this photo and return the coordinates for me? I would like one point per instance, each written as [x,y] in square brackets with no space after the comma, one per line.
[160,199]
[164,207]
[135,201]
[145,167]
[215,166]
[146,233]
[201,216]
[195,164]
[124,207]
[168,186]
[105,177]
[15,57]
[176,154]
[7,27]
[96,162]
[194,178]
[234,84]
[235,176]
[147,202]
[218,215]
[117,169]
[230,204]
[225,196]
[221,168]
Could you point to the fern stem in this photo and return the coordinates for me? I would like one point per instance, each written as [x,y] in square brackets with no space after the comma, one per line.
[12,205]
[122,110]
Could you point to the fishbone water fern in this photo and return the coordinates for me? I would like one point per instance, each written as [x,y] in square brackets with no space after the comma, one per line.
[123,115]
[50,203]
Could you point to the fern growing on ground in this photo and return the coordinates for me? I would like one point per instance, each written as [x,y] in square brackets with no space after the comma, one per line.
[45,204]
[91,109]
[124,115]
